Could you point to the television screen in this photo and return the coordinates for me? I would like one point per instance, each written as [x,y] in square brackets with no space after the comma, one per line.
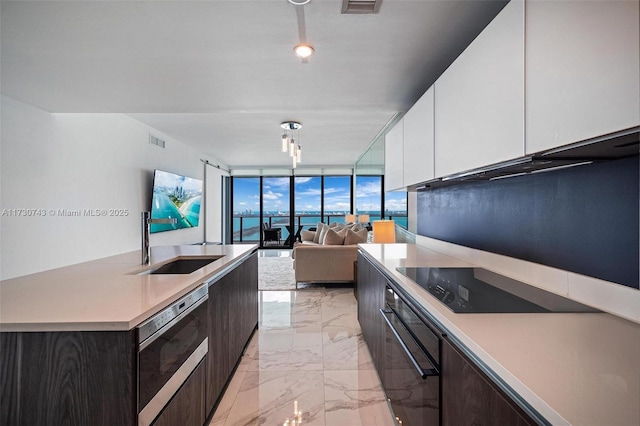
[175,196]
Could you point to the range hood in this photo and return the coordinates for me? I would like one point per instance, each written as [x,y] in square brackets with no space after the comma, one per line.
[603,148]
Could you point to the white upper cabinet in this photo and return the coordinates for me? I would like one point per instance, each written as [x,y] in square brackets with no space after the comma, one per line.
[582,70]
[393,157]
[479,99]
[418,141]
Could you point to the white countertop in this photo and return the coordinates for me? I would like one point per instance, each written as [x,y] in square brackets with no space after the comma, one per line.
[105,294]
[579,369]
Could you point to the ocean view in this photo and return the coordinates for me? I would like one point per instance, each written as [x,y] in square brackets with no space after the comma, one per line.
[315,199]
[250,223]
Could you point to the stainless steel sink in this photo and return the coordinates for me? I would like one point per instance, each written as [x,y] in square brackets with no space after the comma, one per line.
[182,265]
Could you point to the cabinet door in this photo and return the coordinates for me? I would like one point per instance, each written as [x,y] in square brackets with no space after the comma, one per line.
[418,141]
[363,287]
[68,378]
[371,287]
[249,298]
[233,315]
[393,157]
[479,99]
[469,398]
[218,368]
[236,335]
[583,72]
[243,302]
[186,408]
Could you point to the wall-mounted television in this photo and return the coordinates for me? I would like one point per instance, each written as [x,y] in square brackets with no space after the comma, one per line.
[175,196]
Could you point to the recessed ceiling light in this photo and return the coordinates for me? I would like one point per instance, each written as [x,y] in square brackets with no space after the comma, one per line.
[303,50]
[299,2]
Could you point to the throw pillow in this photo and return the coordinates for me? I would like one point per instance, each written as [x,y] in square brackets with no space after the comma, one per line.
[333,225]
[333,238]
[307,235]
[316,238]
[325,228]
[355,237]
[356,227]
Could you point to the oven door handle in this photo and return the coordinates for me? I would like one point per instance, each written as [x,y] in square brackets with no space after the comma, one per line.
[421,372]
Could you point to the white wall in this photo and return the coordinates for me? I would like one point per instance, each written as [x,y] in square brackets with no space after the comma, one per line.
[213,202]
[83,161]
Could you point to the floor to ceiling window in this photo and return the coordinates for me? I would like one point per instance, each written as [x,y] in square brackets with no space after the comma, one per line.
[369,197]
[308,201]
[266,202]
[276,205]
[369,200]
[336,198]
[246,209]
[395,207]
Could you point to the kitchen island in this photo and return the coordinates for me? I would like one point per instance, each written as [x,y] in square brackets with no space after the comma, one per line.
[106,294]
[71,351]
[569,368]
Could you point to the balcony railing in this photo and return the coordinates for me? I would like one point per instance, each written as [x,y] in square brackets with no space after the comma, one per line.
[247,227]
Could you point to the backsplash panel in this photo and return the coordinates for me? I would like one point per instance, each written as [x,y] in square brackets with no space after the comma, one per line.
[584,219]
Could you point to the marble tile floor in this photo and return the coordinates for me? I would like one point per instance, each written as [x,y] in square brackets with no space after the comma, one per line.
[308,348]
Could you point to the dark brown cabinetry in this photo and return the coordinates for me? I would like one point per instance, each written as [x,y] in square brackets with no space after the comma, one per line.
[187,406]
[467,395]
[410,375]
[89,378]
[371,286]
[218,368]
[243,317]
[470,398]
[233,315]
[68,378]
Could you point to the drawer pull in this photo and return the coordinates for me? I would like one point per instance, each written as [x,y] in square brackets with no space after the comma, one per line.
[421,372]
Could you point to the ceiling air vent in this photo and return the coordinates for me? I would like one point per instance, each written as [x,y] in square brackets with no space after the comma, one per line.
[361,6]
[155,141]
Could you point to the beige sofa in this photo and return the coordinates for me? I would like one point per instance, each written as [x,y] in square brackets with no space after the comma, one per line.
[331,258]
[321,263]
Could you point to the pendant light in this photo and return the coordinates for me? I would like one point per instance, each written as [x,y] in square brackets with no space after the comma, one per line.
[289,144]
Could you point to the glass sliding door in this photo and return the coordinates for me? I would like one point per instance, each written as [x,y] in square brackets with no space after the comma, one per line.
[336,197]
[286,206]
[395,207]
[308,201]
[276,208]
[369,197]
[246,210]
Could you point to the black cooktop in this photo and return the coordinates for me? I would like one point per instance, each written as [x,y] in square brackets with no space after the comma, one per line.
[477,290]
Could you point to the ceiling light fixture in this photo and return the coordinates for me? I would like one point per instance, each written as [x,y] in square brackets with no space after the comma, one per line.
[289,144]
[303,50]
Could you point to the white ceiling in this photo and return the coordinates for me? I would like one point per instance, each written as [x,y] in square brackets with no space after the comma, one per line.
[220,75]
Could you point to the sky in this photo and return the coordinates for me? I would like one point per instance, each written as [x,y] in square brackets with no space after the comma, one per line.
[162,179]
[308,194]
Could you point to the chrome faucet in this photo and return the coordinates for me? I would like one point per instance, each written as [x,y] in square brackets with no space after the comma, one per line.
[146,222]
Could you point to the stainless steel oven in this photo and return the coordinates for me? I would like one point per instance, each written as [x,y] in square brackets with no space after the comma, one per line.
[170,347]
[411,364]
